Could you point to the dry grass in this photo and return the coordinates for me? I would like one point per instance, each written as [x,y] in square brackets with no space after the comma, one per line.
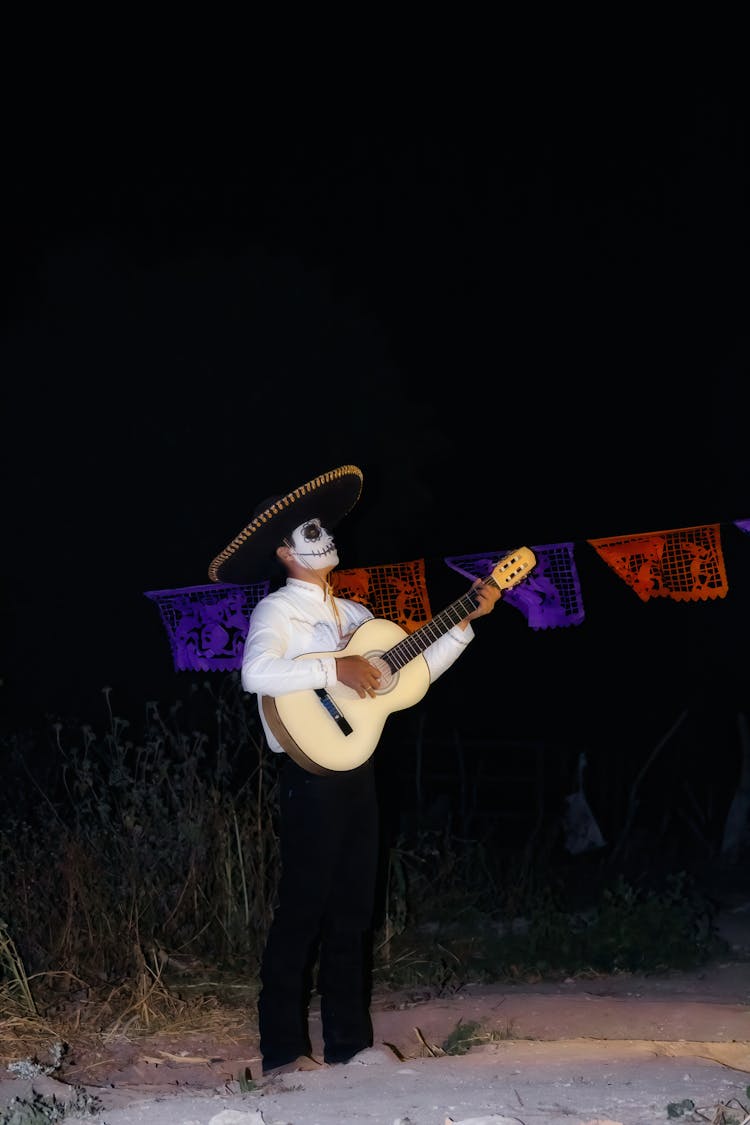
[23,1036]
[41,1018]
[133,1013]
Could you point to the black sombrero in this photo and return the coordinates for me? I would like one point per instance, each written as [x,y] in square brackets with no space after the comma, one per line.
[329,497]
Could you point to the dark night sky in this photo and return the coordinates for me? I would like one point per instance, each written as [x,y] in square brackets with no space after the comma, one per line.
[525,324]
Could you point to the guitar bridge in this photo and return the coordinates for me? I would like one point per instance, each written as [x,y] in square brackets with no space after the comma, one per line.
[333,711]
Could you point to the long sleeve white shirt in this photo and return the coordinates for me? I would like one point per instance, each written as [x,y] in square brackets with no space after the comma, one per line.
[299,618]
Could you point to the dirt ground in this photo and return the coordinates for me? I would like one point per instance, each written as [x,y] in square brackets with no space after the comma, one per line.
[627,1049]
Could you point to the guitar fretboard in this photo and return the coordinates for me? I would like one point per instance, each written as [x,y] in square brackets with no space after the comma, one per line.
[510,571]
[415,644]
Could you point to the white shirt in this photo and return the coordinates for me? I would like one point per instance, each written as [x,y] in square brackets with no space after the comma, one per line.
[299,618]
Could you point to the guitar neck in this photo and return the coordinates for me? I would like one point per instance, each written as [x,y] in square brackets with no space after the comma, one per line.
[415,644]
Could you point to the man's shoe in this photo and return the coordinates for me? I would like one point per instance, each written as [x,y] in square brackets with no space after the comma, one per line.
[302,1062]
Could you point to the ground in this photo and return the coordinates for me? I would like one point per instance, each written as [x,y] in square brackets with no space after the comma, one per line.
[627,1049]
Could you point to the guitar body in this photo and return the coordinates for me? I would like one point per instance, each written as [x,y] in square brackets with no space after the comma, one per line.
[338,727]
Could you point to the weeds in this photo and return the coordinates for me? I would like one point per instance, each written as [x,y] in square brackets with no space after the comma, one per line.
[463,1037]
[136,851]
[138,874]
[14,972]
[453,930]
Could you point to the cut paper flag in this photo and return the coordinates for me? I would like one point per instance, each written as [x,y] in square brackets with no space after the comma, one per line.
[207,625]
[685,564]
[396,591]
[551,595]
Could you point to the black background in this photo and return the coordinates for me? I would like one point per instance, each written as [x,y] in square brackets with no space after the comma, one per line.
[525,319]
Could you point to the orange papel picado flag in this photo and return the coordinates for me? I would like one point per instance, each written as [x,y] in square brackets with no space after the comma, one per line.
[685,564]
[396,591]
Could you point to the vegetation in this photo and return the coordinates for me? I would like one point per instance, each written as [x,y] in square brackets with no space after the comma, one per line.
[137,877]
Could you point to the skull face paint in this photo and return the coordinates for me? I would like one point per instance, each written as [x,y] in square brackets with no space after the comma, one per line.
[313,546]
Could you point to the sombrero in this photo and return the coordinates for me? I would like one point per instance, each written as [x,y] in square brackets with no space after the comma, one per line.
[328,497]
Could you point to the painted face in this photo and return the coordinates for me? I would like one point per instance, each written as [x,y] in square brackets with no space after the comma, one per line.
[313,546]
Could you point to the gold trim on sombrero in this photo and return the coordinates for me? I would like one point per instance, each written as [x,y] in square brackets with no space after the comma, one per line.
[276,508]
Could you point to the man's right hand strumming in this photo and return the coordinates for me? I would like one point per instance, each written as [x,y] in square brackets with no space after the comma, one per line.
[359,674]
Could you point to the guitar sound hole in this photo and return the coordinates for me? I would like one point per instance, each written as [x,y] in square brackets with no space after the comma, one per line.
[388,680]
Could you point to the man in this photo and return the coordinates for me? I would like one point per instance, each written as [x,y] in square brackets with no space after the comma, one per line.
[328,819]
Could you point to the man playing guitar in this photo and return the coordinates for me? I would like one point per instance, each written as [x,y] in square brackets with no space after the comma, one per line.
[300,650]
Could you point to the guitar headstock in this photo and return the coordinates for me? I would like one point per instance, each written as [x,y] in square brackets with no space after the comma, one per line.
[514,568]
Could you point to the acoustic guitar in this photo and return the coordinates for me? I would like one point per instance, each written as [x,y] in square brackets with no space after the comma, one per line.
[327,730]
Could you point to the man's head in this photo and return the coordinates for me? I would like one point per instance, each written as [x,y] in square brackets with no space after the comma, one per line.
[279,525]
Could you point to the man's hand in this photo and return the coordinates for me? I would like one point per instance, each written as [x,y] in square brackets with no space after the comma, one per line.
[359,674]
[487,595]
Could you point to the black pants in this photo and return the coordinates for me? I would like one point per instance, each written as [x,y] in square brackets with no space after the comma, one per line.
[324,913]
